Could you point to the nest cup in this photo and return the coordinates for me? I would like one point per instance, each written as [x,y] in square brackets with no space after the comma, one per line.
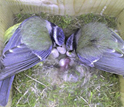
[112,8]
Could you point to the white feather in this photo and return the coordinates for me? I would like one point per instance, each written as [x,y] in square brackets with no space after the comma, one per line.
[18,46]
[121,55]
[10,50]
[92,63]
[38,56]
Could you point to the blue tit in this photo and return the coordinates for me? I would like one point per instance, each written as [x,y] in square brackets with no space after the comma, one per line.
[5,85]
[30,42]
[96,45]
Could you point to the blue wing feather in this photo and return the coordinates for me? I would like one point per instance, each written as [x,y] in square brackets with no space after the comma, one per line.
[85,61]
[17,61]
[14,41]
[18,57]
[111,63]
[101,48]
[5,87]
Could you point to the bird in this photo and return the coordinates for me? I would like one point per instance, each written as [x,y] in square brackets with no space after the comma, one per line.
[5,85]
[97,45]
[27,43]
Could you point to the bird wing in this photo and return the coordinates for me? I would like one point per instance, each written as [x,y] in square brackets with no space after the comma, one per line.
[9,32]
[14,41]
[109,59]
[87,52]
[111,63]
[35,33]
[18,57]
[93,49]
[89,56]
[5,87]
[119,41]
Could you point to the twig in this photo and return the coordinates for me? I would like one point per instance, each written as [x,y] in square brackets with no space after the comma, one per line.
[41,93]
[18,90]
[85,101]
[22,97]
[36,80]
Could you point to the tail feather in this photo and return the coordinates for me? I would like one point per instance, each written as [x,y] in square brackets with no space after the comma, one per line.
[111,63]
[5,87]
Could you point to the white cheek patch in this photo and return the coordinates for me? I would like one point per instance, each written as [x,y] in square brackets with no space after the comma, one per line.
[48,26]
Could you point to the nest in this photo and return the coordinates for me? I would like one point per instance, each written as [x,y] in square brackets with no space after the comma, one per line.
[45,85]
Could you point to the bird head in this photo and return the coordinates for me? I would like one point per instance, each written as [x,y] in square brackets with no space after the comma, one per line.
[58,36]
[71,41]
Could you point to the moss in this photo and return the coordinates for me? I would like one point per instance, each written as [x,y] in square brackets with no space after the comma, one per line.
[46,86]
